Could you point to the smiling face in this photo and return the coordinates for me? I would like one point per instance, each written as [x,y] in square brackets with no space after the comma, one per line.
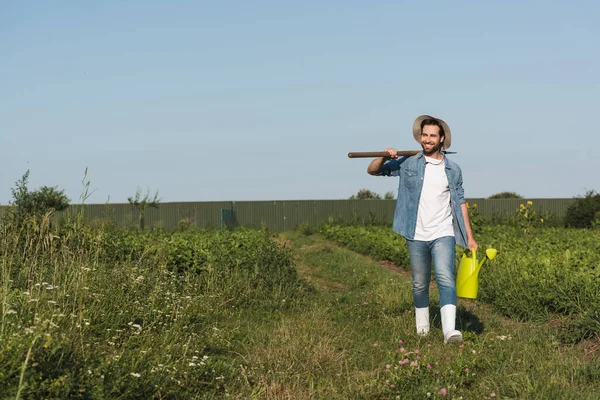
[431,141]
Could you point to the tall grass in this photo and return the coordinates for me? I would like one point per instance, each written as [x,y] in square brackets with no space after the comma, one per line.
[101,313]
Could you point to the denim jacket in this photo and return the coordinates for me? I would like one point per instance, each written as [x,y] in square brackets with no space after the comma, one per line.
[411,171]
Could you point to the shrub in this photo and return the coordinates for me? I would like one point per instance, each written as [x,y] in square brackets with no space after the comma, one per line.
[506,195]
[475,217]
[365,194]
[305,228]
[37,203]
[527,217]
[584,212]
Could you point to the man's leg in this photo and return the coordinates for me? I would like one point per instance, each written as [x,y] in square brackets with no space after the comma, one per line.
[420,261]
[443,252]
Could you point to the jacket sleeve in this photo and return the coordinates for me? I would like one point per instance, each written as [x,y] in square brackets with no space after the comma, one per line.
[392,167]
[459,187]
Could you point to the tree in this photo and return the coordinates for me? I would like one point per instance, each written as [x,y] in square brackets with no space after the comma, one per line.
[506,195]
[365,194]
[389,195]
[142,203]
[50,197]
[37,203]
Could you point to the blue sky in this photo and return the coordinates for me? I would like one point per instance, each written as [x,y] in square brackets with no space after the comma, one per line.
[262,100]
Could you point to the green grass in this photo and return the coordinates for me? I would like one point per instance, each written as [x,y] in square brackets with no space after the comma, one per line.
[366,309]
[97,314]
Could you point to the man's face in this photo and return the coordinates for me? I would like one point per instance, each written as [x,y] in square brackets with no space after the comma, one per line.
[430,139]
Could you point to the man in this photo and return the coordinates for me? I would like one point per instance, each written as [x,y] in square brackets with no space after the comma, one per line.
[432,215]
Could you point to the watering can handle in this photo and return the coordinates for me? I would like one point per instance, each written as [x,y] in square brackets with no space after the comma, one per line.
[473,253]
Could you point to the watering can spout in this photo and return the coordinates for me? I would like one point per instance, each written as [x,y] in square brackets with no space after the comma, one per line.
[490,254]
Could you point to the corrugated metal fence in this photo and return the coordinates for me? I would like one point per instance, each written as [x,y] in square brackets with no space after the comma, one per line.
[286,215]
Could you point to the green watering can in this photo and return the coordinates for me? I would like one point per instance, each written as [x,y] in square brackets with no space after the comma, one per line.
[467,282]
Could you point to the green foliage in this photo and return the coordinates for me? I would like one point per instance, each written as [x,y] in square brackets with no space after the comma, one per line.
[539,274]
[50,198]
[103,313]
[544,273]
[305,228]
[506,195]
[365,194]
[27,204]
[389,195]
[527,217]
[141,203]
[477,220]
[374,241]
[584,212]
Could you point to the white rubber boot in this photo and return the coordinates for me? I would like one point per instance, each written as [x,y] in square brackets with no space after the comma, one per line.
[422,319]
[451,335]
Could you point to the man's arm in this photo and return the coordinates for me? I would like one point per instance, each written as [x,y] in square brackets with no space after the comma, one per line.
[374,167]
[470,239]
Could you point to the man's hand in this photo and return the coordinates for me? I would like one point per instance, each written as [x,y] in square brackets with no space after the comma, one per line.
[375,165]
[392,152]
[472,243]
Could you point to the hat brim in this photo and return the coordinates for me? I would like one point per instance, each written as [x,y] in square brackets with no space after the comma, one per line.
[417,130]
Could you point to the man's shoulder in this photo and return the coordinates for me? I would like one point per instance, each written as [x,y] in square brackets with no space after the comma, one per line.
[451,164]
[414,159]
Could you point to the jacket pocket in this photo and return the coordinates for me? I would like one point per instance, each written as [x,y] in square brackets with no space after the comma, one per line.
[410,179]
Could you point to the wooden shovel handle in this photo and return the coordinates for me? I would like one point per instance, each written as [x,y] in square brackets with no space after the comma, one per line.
[371,154]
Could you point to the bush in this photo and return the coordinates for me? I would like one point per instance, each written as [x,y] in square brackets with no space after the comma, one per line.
[584,212]
[365,194]
[477,220]
[27,204]
[506,195]
[305,228]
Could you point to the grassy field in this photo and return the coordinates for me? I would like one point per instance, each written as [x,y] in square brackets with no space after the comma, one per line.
[105,314]
[368,313]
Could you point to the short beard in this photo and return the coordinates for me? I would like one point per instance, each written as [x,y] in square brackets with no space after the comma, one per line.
[434,150]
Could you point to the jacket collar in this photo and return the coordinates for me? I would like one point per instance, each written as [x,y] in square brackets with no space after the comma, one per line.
[421,157]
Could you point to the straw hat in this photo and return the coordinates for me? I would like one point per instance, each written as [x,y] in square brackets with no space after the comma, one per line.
[417,130]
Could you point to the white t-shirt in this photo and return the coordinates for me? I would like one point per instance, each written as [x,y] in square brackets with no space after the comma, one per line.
[434,218]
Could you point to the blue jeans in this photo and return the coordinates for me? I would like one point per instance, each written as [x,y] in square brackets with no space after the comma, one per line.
[442,252]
